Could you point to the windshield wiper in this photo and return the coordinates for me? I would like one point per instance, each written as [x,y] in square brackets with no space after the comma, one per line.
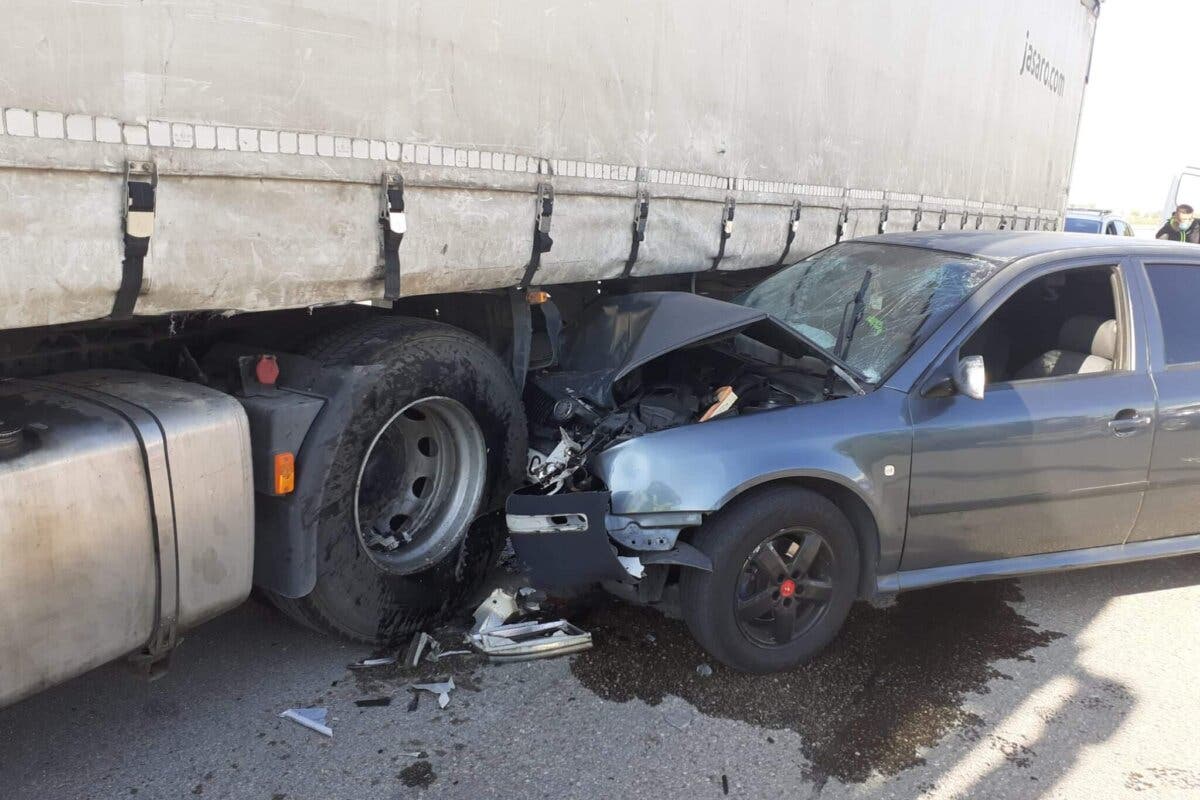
[855,308]
[851,315]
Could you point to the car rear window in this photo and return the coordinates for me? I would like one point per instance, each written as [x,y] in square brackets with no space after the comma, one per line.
[1177,294]
[1081,225]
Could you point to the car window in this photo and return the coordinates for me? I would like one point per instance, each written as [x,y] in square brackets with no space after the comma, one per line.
[1058,325]
[1111,229]
[1081,225]
[1124,228]
[1177,295]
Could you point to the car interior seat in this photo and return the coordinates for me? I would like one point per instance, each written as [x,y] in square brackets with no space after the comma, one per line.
[1085,344]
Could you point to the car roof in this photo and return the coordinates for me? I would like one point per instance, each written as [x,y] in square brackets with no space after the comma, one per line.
[1006,246]
[1087,212]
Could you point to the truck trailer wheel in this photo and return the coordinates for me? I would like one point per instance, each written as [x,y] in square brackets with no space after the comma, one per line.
[785,573]
[426,453]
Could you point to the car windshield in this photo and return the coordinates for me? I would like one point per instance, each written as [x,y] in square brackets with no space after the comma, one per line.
[907,293]
[1081,225]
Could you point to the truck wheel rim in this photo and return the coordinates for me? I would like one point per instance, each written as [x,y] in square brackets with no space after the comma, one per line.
[419,485]
[784,587]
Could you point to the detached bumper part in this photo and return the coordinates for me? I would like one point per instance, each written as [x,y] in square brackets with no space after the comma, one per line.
[563,539]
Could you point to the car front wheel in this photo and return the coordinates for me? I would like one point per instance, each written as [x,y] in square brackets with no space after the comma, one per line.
[785,573]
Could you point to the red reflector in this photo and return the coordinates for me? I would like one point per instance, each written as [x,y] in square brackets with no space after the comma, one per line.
[267,370]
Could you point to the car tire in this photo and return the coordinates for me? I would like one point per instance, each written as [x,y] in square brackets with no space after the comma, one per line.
[801,609]
[444,406]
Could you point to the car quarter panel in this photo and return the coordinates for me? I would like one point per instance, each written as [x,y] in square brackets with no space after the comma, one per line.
[863,443]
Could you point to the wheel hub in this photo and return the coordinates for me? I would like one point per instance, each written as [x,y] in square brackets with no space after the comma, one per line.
[420,485]
[785,586]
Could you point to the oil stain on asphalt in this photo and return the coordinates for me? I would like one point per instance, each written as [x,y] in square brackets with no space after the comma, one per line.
[892,682]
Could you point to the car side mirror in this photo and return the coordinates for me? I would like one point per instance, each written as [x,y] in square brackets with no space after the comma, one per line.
[968,379]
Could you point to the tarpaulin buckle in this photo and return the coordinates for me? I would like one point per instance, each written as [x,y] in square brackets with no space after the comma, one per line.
[544,212]
[395,225]
[141,186]
[641,211]
[726,229]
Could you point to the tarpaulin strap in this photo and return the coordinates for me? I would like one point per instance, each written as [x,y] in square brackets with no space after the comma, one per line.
[541,232]
[394,224]
[726,230]
[641,210]
[843,218]
[917,217]
[942,220]
[141,182]
[522,320]
[554,326]
[793,229]
[883,218]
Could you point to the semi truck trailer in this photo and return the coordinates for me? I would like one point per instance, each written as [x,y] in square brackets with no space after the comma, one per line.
[274,273]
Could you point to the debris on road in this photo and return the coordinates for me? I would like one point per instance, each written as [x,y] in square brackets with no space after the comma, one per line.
[522,641]
[311,718]
[525,641]
[373,702]
[438,656]
[498,608]
[415,701]
[704,670]
[417,647]
[368,663]
[442,690]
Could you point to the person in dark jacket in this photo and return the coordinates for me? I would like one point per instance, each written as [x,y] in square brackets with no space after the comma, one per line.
[1181,227]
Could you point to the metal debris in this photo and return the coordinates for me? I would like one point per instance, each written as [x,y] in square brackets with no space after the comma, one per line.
[311,718]
[524,641]
[368,663]
[442,690]
[438,656]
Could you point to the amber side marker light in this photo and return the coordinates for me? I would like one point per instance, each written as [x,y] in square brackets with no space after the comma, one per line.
[285,473]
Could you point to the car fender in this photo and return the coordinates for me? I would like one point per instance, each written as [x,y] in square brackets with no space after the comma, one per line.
[861,443]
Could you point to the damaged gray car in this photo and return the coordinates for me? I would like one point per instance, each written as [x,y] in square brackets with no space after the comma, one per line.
[890,413]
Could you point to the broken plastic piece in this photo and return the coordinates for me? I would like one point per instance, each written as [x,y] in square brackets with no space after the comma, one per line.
[726,397]
[442,690]
[367,663]
[632,565]
[417,647]
[439,655]
[493,612]
[373,702]
[311,718]
[530,600]
[703,670]
[524,641]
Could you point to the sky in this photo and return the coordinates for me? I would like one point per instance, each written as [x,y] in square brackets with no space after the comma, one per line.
[1141,108]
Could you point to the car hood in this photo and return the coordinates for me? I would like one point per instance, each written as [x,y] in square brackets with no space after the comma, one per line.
[620,334]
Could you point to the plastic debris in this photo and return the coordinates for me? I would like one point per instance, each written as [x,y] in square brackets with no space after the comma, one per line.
[438,656]
[415,701]
[414,753]
[632,565]
[373,702]
[703,670]
[494,611]
[368,663]
[442,690]
[530,600]
[311,718]
[417,647]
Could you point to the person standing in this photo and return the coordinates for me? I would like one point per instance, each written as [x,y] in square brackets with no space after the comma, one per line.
[1181,227]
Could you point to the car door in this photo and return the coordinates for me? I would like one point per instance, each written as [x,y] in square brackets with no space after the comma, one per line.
[1035,466]
[1172,503]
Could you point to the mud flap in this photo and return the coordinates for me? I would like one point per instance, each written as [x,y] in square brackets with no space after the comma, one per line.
[562,538]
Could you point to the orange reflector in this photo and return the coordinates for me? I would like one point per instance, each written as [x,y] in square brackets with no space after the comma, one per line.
[537,297]
[285,473]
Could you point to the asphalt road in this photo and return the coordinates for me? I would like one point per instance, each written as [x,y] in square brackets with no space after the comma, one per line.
[1081,685]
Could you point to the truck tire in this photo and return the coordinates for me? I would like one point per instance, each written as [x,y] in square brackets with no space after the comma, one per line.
[406,532]
[785,573]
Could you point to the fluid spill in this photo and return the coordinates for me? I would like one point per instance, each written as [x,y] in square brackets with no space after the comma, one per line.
[892,682]
[419,774]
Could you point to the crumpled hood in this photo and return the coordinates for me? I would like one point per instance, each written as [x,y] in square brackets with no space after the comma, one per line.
[620,334]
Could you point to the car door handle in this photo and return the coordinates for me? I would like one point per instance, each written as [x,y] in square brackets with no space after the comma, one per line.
[1128,421]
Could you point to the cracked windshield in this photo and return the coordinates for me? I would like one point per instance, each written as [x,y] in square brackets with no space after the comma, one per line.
[869,303]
